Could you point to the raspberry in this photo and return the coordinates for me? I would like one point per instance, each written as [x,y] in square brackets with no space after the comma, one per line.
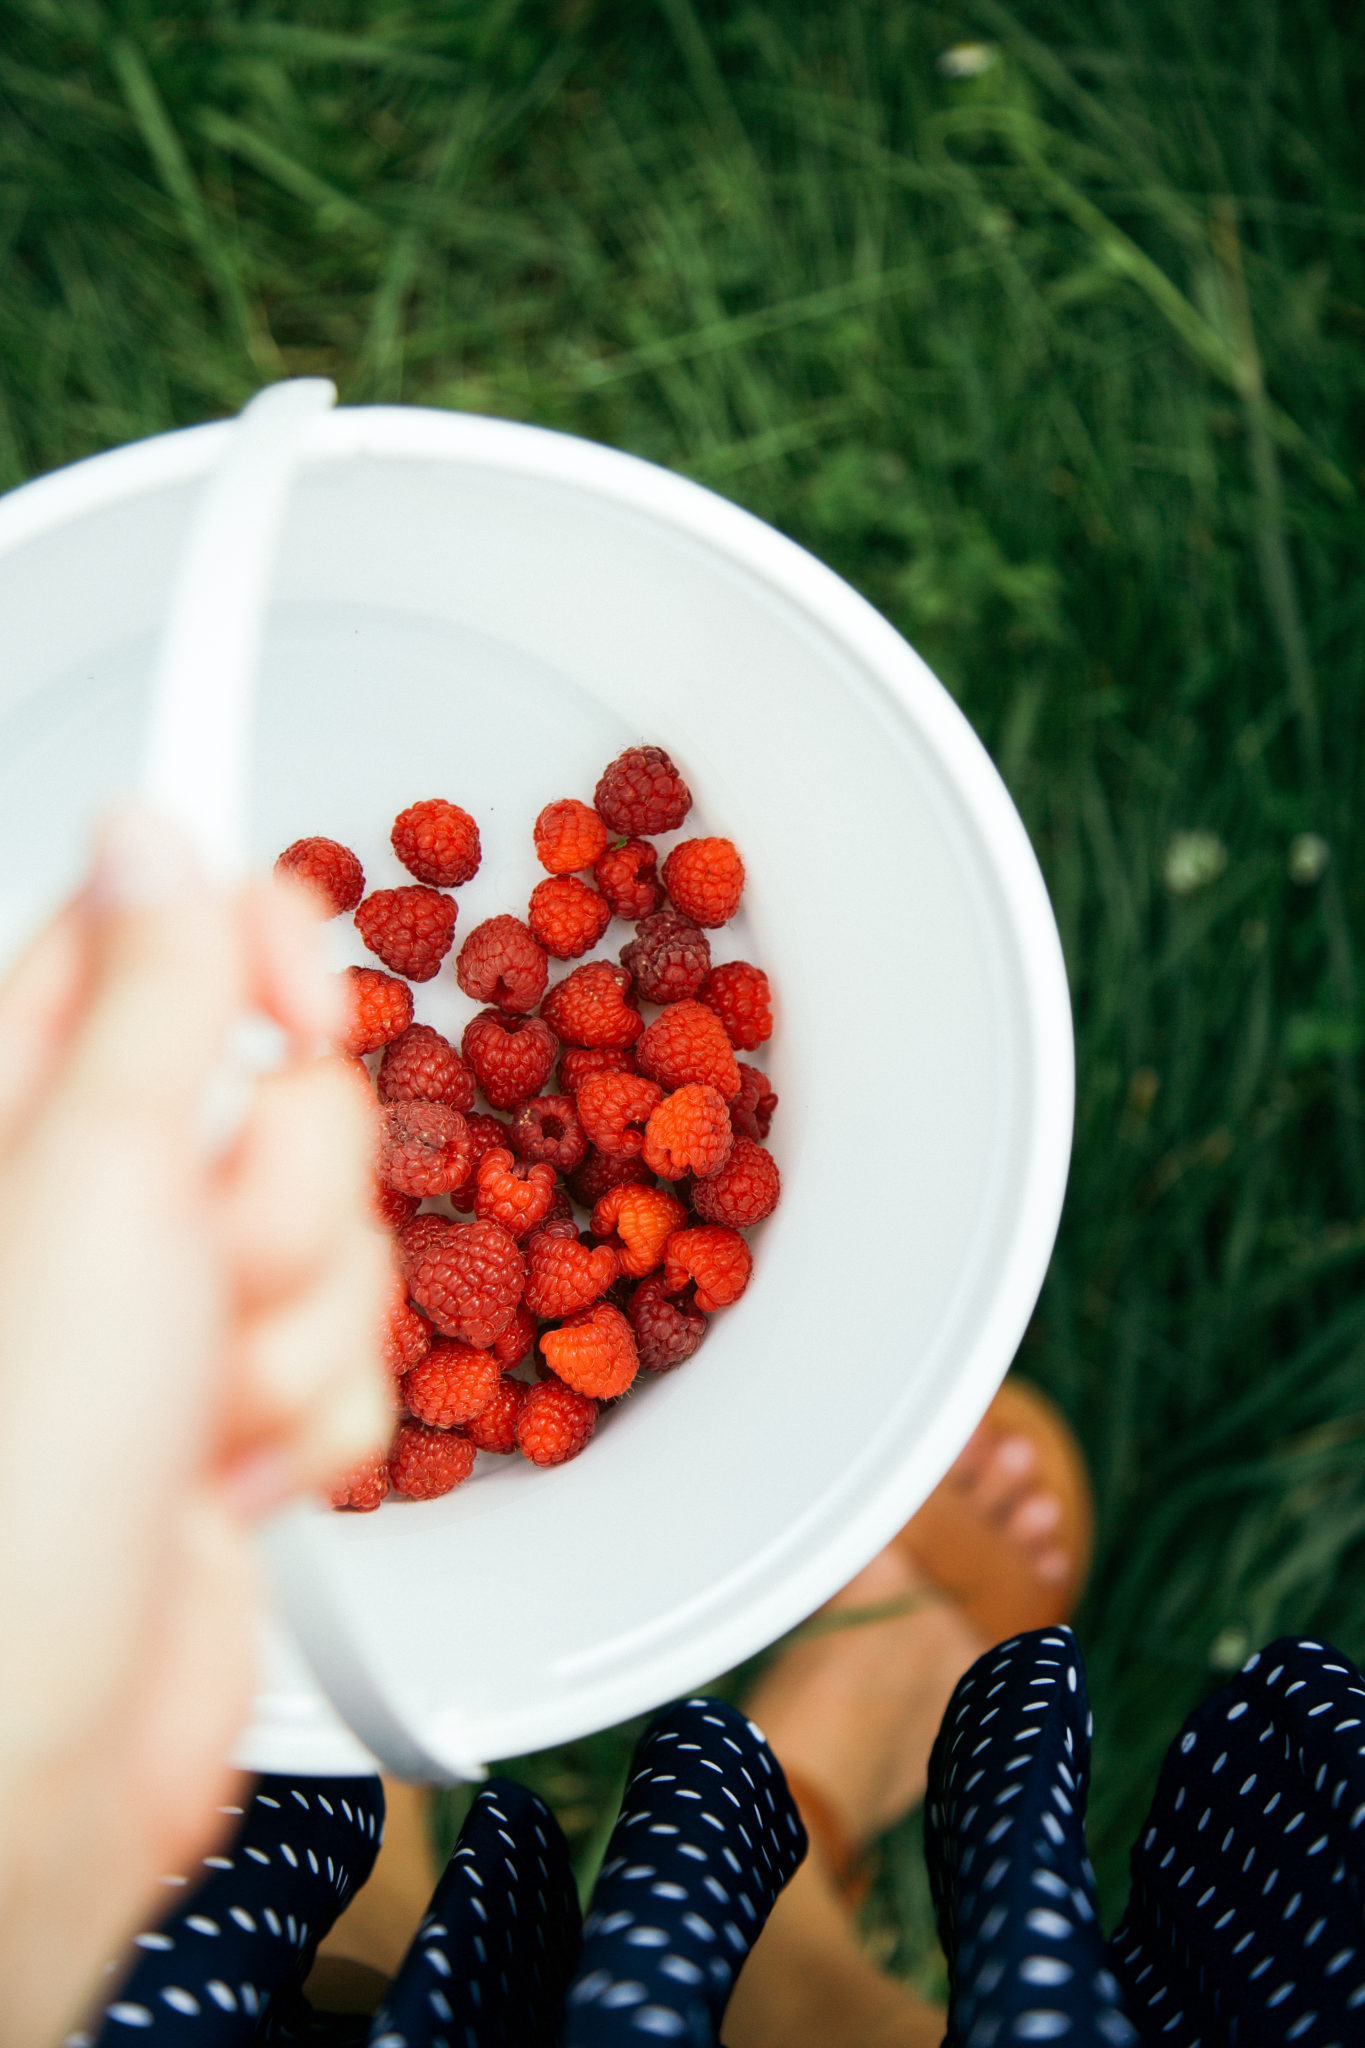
[501,963]
[423,1148]
[594,1352]
[496,1428]
[688,1133]
[411,929]
[389,1207]
[600,1172]
[511,1056]
[469,1281]
[559,1224]
[512,1193]
[666,1332]
[589,1007]
[565,1275]
[559,1211]
[744,1191]
[378,1008]
[614,1108]
[406,1337]
[628,877]
[636,1223]
[705,879]
[569,835]
[751,1112]
[437,842]
[484,1133]
[516,1340]
[547,1127]
[453,1384]
[580,1060]
[641,791]
[717,1259]
[554,1423]
[330,870]
[425,1463]
[740,996]
[421,1066]
[687,1042]
[669,957]
[417,1237]
[364,1487]
[566,916]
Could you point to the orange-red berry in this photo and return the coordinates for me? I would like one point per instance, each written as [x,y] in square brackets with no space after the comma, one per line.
[628,876]
[565,1275]
[511,1056]
[437,842]
[421,1066]
[569,836]
[687,1042]
[714,1258]
[593,1352]
[423,1148]
[589,1007]
[554,1423]
[495,1429]
[740,996]
[500,963]
[705,879]
[637,1223]
[745,1190]
[513,1193]
[614,1109]
[641,791]
[328,870]
[378,1007]
[566,916]
[411,929]
[688,1133]
[451,1385]
[425,1463]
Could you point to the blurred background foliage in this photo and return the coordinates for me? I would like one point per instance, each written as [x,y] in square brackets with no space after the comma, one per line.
[1043,323]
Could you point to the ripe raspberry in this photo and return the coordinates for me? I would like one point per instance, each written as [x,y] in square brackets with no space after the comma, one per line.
[330,870]
[569,836]
[666,1332]
[516,1340]
[614,1109]
[406,1337]
[560,1224]
[740,996]
[437,842]
[389,1207]
[425,1463]
[565,1275]
[751,1112]
[421,1066]
[453,1384]
[417,1237]
[559,1211]
[496,1428]
[600,1172]
[554,1423]
[589,1007]
[641,791]
[687,1042]
[744,1191]
[688,1133]
[410,929]
[423,1148]
[628,877]
[636,1223]
[470,1281]
[669,957]
[364,1487]
[501,963]
[580,1060]
[717,1259]
[566,916]
[512,1193]
[705,879]
[485,1132]
[511,1056]
[547,1127]
[378,1008]
[594,1352]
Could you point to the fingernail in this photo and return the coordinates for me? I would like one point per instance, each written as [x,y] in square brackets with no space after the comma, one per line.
[259,1482]
[141,860]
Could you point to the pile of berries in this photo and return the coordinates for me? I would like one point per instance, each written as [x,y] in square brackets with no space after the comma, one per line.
[584,1219]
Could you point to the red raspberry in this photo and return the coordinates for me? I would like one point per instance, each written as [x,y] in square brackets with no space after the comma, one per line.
[580,1060]
[501,963]
[410,929]
[565,1275]
[485,1132]
[547,1127]
[594,1352]
[717,1259]
[687,1042]
[554,1423]
[417,1237]
[751,1112]
[453,1384]
[496,1428]
[566,916]
[569,836]
[421,1066]
[512,1193]
[364,1487]
[614,1109]
[600,1172]
[511,1056]
[688,1133]
[425,1463]
[423,1148]
[744,1191]
[389,1207]
[740,996]
[669,957]
[705,879]
[469,1281]
[666,1332]
[589,1007]
[560,1224]
[437,842]
[330,870]
[637,1223]
[377,1007]
[560,1211]
[628,877]
[516,1340]
[406,1337]
[641,791]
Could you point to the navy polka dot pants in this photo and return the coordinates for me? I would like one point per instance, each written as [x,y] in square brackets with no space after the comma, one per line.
[706,1838]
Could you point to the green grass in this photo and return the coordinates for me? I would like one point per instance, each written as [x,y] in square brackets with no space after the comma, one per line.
[1061,364]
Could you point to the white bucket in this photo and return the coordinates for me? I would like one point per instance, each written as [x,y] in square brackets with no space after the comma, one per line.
[469,608]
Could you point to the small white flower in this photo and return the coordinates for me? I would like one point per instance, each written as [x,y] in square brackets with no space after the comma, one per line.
[967,60]
[1193,860]
[1309,854]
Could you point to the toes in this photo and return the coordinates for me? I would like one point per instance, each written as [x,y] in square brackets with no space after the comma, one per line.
[1054,1565]
[1003,1476]
[1033,1519]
